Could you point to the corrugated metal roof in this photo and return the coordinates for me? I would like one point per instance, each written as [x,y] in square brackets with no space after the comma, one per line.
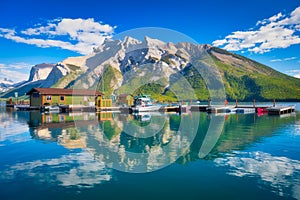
[59,91]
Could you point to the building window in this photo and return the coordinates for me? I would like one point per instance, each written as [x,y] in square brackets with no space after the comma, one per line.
[48,98]
[62,98]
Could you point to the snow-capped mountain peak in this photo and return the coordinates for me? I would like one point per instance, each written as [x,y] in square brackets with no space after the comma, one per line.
[152,43]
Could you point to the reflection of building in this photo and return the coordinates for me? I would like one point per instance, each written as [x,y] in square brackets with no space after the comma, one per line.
[50,96]
[67,129]
[105,116]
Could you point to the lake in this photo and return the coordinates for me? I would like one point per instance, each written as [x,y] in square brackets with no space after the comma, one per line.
[150,156]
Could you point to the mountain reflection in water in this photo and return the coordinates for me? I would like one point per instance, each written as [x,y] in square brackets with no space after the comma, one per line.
[84,150]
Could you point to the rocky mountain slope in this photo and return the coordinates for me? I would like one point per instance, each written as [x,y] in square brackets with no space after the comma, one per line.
[155,67]
[243,79]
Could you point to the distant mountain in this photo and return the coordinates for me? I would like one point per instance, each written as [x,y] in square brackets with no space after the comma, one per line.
[6,84]
[122,66]
[38,78]
[40,72]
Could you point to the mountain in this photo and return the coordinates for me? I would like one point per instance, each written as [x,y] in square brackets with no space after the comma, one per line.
[247,79]
[39,77]
[6,84]
[167,71]
[112,64]
[40,72]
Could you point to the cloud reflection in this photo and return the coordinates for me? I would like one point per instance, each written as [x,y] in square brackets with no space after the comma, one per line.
[281,173]
[12,130]
[75,169]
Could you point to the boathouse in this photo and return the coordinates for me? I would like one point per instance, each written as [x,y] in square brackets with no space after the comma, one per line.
[58,96]
[125,100]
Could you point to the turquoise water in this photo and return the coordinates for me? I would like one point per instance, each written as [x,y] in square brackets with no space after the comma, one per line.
[153,156]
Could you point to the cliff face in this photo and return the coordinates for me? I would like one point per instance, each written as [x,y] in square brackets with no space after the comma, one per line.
[42,75]
[40,72]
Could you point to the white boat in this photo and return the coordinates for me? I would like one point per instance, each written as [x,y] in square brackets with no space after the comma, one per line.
[21,107]
[52,109]
[143,103]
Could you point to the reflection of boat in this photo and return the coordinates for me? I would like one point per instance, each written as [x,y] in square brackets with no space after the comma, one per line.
[145,117]
[143,103]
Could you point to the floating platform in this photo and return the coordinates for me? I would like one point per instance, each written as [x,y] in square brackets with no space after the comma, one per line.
[201,108]
[279,110]
[219,109]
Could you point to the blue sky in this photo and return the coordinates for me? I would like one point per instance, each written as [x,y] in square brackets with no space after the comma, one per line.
[33,32]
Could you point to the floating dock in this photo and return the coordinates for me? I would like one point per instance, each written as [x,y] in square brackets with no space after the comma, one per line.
[279,110]
[260,109]
[270,109]
[219,109]
[201,108]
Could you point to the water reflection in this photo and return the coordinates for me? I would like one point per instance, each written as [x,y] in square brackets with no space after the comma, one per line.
[281,173]
[91,145]
[75,169]
[13,127]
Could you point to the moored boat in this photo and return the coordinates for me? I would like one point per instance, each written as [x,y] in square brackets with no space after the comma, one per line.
[50,108]
[143,103]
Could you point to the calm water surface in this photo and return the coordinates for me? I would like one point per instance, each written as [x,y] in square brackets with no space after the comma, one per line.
[118,156]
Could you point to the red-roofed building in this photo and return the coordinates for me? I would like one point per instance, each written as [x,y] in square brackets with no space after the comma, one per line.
[52,96]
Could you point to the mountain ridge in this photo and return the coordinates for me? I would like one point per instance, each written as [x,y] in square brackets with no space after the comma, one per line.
[243,78]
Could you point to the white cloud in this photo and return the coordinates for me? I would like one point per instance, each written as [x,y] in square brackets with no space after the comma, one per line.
[278,31]
[220,42]
[79,35]
[276,17]
[16,72]
[276,60]
[15,76]
[290,58]
[283,59]
[295,73]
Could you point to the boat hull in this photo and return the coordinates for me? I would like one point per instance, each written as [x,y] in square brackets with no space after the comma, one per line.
[145,108]
[51,109]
